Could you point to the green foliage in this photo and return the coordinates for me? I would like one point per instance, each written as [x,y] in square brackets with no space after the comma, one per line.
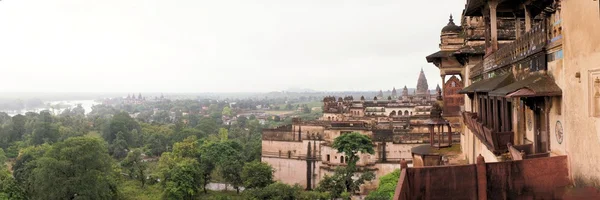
[183,180]
[207,126]
[274,191]
[387,186]
[180,170]
[9,188]
[351,144]
[81,165]
[314,195]
[13,150]
[2,159]
[45,131]
[132,190]
[223,134]
[121,122]
[224,156]
[118,148]
[135,166]
[226,111]
[257,174]
[339,183]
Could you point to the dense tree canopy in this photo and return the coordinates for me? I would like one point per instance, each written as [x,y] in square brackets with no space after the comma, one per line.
[82,166]
[173,147]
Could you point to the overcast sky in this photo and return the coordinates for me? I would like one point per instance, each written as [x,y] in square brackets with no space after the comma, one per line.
[218,45]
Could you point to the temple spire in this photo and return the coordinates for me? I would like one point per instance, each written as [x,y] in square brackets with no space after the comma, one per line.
[422,86]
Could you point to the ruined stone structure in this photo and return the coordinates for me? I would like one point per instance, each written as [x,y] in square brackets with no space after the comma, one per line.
[301,153]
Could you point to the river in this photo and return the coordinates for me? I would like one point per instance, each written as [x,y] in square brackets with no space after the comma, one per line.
[57,107]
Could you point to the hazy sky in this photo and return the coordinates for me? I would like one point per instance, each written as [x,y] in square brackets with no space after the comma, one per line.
[218,45]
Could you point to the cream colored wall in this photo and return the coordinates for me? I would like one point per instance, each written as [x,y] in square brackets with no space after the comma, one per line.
[581,45]
[389,110]
[283,146]
[529,128]
[288,171]
[556,70]
[330,135]
[399,150]
[333,117]
[297,148]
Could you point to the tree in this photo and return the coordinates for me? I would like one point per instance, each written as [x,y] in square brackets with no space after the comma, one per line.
[231,164]
[121,122]
[78,111]
[45,130]
[257,174]
[223,135]
[275,191]
[136,167]
[226,111]
[242,121]
[207,126]
[351,144]
[81,165]
[9,189]
[183,180]
[181,171]
[118,148]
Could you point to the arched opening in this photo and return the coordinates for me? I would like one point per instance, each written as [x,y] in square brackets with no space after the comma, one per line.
[341,159]
[329,118]
[406,112]
[393,113]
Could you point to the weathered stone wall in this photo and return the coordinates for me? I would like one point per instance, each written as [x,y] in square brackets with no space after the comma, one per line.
[581,26]
[288,171]
[540,178]
[537,177]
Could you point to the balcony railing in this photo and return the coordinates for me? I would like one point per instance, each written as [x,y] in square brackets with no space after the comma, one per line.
[494,141]
[530,43]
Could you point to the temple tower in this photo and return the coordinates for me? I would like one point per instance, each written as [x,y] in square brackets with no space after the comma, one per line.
[422,86]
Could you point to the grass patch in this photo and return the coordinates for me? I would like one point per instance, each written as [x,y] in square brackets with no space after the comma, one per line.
[454,149]
[221,195]
[132,189]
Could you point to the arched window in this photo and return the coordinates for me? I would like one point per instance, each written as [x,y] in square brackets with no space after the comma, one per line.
[406,112]
[393,113]
[341,159]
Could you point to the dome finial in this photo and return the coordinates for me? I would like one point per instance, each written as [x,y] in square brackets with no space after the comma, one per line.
[452,20]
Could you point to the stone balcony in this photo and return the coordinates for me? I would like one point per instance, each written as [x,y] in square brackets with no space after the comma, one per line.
[495,141]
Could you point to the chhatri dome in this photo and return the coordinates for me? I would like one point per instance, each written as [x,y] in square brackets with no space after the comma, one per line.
[451,27]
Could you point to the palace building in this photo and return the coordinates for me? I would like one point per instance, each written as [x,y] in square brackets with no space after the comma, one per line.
[531,91]
[301,153]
